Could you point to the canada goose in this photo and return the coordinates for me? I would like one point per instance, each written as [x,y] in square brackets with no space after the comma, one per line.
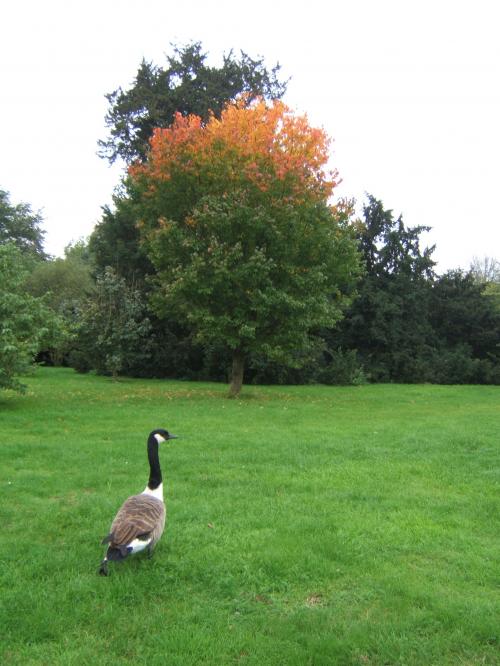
[139,523]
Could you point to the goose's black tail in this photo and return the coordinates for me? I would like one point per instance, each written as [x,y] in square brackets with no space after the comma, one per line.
[113,554]
[117,553]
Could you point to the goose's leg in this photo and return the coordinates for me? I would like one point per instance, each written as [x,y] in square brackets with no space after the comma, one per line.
[103,569]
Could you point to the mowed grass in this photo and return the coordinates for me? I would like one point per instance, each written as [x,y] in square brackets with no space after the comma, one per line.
[306,525]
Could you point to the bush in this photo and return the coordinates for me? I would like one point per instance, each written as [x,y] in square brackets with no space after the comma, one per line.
[79,361]
[457,366]
[343,368]
[27,325]
[112,328]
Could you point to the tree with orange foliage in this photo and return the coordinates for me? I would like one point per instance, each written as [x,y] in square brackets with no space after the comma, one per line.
[236,219]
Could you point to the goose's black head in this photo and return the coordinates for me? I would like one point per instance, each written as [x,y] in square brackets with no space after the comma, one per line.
[161,435]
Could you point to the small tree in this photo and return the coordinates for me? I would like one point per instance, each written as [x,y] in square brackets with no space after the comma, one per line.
[21,226]
[26,323]
[112,328]
[63,281]
[236,221]
[486,272]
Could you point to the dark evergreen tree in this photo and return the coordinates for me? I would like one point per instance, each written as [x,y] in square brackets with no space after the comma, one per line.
[466,321]
[408,324]
[388,324]
[186,85]
[115,242]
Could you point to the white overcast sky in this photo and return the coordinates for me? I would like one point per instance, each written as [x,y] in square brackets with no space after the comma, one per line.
[409,91]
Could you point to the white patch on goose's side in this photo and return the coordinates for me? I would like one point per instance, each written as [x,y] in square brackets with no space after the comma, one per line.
[137,545]
[156,492]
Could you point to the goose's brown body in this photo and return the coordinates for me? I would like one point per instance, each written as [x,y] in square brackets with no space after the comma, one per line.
[140,517]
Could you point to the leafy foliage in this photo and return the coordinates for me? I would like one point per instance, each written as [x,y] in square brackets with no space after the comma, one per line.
[187,85]
[467,325]
[115,242]
[264,149]
[249,277]
[112,328]
[26,323]
[486,271]
[63,281]
[21,226]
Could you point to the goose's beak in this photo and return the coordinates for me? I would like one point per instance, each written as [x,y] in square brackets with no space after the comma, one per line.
[170,436]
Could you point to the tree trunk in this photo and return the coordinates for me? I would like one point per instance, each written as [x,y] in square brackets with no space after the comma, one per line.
[237,373]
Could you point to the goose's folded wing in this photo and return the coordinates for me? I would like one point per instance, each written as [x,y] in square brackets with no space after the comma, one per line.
[138,517]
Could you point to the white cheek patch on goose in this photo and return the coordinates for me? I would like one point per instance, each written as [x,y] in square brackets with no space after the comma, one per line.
[159,438]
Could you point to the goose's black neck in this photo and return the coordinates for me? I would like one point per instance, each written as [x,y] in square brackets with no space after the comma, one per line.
[154,463]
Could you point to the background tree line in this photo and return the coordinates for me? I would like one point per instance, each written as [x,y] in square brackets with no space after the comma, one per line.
[406,323]
[394,320]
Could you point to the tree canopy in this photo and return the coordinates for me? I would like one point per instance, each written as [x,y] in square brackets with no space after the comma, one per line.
[115,242]
[388,324]
[235,216]
[112,328]
[187,85]
[26,323]
[408,324]
[21,226]
[63,281]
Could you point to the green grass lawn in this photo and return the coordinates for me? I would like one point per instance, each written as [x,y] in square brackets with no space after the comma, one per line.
[306,525]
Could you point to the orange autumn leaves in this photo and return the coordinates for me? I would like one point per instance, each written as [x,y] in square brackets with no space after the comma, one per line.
[263,146]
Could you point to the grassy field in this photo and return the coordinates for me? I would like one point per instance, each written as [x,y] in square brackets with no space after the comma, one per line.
[306,525]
